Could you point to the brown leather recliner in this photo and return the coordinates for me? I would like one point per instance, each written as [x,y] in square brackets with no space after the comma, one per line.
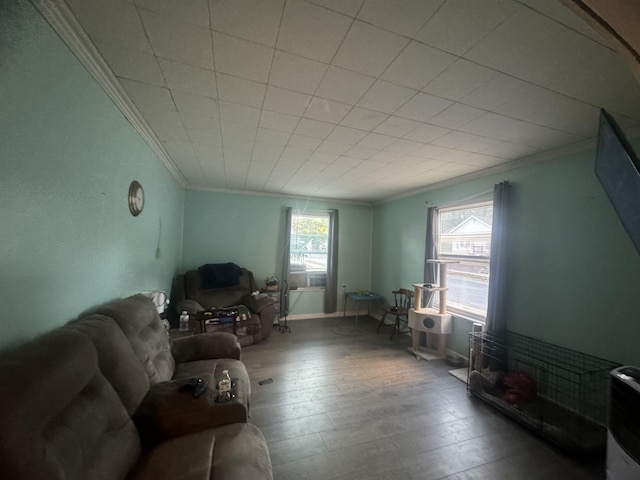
[214,286]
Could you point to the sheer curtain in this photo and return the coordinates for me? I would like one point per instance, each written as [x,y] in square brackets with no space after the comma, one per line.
[496,309]
[430,253]
[284,279]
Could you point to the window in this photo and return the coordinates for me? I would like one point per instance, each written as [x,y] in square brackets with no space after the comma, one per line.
[309,249]
[465,235]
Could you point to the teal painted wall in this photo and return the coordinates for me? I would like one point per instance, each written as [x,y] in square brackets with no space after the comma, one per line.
[68,155]
[573,272]
[249,231]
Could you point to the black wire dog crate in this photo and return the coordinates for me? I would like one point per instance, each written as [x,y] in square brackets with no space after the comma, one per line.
[559,393]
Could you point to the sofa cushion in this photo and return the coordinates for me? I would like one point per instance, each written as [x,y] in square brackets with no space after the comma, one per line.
[231,452]
[117,360]
[61,419]
[182,458]
[138,319]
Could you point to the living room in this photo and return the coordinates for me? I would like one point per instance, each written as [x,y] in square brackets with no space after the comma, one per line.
[70,155]
[70,243]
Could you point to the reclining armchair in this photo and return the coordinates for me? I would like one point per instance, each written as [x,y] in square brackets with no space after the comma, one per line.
[220,286]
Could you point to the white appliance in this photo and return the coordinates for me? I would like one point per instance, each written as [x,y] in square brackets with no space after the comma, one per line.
[623,437]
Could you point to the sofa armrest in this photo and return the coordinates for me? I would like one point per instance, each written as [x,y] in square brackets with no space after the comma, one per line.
[168,410]
[256,305]
[204,346]
[191,306]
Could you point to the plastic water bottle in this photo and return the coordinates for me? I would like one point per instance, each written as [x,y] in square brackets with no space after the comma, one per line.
[184,321]
[224,385]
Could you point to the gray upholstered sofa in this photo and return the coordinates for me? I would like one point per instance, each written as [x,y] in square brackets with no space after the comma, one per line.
[224,285]
[102,398]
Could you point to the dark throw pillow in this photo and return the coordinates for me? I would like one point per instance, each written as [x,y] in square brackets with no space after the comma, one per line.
[220,275]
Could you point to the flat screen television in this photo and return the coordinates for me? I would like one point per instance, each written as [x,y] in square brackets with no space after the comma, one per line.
[618,170]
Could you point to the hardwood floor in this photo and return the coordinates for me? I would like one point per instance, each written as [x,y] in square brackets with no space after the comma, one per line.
[347,403]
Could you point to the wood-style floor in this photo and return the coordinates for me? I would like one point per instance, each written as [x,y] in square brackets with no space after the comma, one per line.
[347,403]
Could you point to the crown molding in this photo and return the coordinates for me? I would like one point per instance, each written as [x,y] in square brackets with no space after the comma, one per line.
[64,23]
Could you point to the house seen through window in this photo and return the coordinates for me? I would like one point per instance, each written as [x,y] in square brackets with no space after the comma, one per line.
[309,249]
[465,235]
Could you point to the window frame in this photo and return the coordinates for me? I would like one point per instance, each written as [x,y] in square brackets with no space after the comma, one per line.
[312,275]
[483,261]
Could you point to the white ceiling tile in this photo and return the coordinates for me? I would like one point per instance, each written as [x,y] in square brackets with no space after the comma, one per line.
[386,97]
[417,65]
[346,135]
[133,65]
[460,24]
[385,156]
[368,49]
[363,118]
[396,126]
[509,150]
[325,158]
[179,41]
[403,146]
[311,31]
[426,133]
[112,23]
[422,107]
[190,11]
[240,90]
[460,79]
[241,58]
[456,115]
[498,91]
[296,73]
[376,140]
[272,137]
[145,95]
[531,46]
[314,128]
[326,110]
[204,139]
[430,151]
[200,122]
[303,141]
[180,150]
[465,141]
[267,152]
[208,153]
[405,17]
[358,151]
[334,148]
[286,101]
[553,110]
[236,114]
[195,80]
[343,85]
[195,104]
[296,153]
[279,121]
[167,125]
[348,7]
[255,20]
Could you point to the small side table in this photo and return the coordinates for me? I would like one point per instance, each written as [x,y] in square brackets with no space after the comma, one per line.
[357,297]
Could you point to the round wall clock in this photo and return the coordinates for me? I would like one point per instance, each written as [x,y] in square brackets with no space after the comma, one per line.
[136,198]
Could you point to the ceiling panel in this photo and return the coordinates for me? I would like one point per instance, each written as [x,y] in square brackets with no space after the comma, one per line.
[353,99]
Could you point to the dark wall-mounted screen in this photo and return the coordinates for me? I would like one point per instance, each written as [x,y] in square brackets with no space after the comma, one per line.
[618,169]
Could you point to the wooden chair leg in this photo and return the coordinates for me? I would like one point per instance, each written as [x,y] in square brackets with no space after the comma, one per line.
[396,327]
[381,321]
